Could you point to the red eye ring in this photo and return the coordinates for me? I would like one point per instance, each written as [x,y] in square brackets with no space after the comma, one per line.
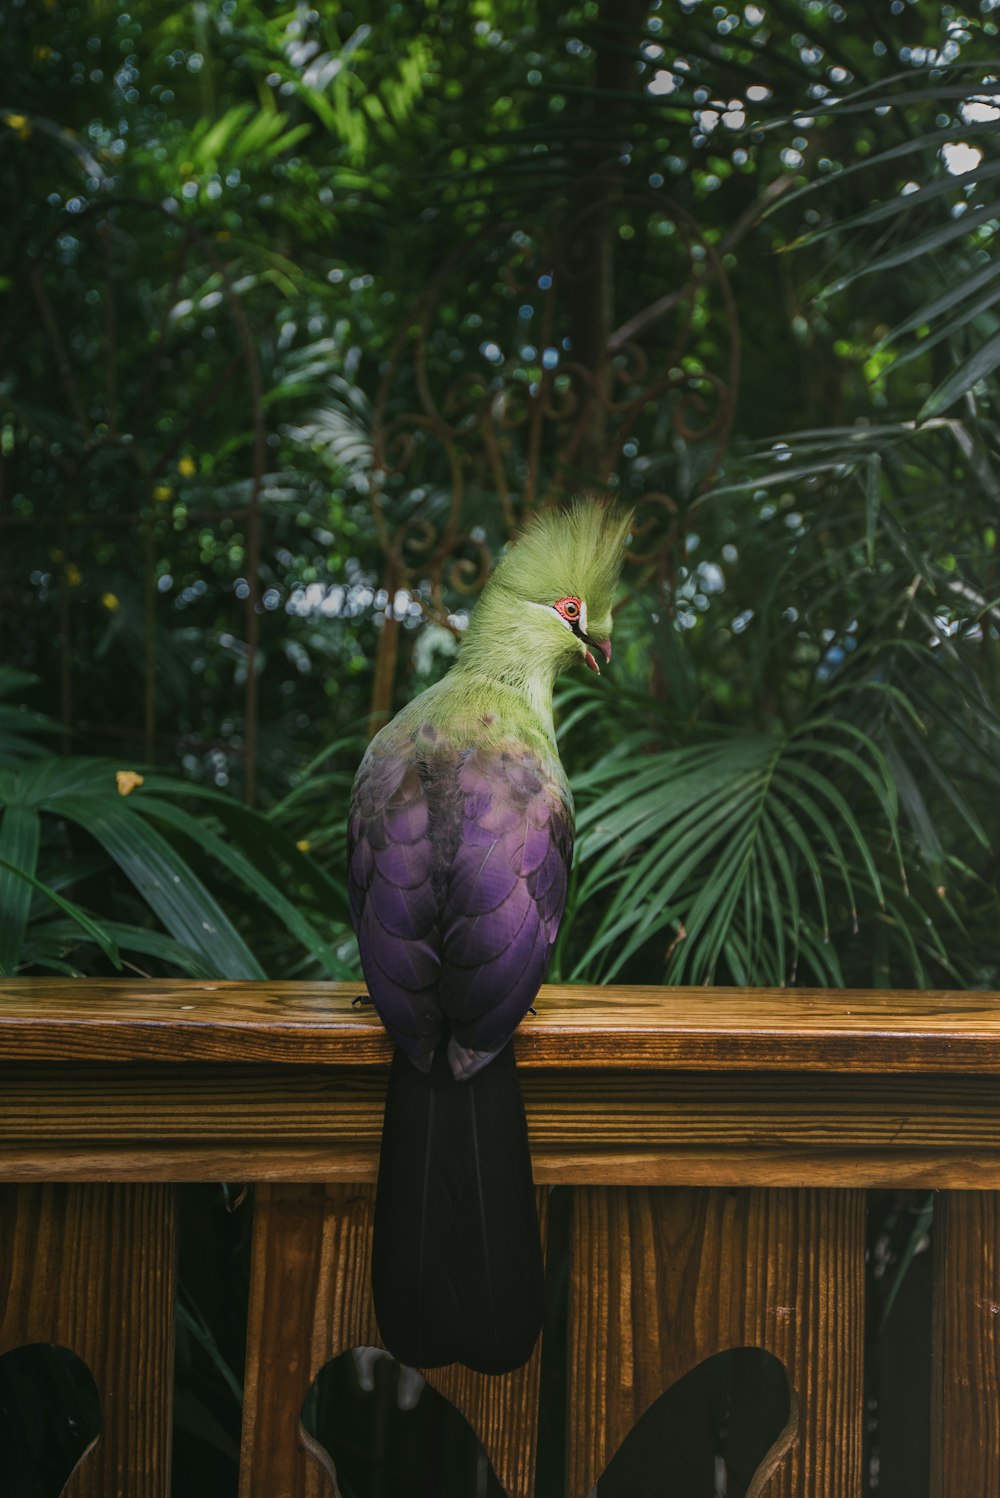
[569,608]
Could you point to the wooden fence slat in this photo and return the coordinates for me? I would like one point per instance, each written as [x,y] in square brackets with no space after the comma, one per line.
[310,1300]
[965,1419]
[662,1278]
[91,1268]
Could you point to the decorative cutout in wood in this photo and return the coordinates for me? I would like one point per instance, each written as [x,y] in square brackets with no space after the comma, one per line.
[662,1278]
[388,1433]
[91,1268]
[50,1415]
[718,1429]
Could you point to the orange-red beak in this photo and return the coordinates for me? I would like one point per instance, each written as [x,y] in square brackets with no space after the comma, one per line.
[604,646]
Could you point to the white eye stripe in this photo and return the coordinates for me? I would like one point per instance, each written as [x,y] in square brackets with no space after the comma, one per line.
[547,608]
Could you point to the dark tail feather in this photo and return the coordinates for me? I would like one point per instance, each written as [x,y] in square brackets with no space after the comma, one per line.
[457,1268]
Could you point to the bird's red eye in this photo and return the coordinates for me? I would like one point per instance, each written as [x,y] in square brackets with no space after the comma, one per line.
[569,608]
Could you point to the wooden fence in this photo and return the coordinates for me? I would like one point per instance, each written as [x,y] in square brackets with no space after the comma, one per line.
[719,1143]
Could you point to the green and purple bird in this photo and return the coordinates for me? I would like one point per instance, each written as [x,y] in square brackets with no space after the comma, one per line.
[461,837]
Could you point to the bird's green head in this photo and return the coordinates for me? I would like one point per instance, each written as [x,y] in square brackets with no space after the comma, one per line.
[558,582]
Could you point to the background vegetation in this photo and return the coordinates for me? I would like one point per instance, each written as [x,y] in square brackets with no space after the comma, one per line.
[303,309]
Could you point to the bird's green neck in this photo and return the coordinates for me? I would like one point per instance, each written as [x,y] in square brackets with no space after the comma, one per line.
[509,647]
[506,667]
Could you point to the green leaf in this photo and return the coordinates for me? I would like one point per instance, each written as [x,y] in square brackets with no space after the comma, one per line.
[261,834]
[821,786]
[872,485]
[768,900]
[945,784]
[922,244]
[713,910]
[860,101]
[90,927]
[958,291]
[19,834]
[982,363]
[911,147]
[53,935]
[192,1320]
[775,812]
[237,863]
[191,915]
[919,816]
[902,203]
[12,680]
[882,784]
[208,140]
[968,314]
[919,1220]
[821,956]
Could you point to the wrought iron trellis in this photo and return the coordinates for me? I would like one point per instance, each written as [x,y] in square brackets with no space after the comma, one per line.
[525,436]
[533,437]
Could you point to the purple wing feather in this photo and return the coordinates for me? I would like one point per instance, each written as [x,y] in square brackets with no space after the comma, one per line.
[498,928]
[392,898]
[457,874]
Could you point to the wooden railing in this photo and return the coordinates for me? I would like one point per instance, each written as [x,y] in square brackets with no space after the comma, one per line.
[652,1103]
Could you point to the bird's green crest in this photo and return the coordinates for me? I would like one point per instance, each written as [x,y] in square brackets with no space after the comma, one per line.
[574,551]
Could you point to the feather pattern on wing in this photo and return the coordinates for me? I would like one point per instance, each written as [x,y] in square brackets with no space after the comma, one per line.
[457,871]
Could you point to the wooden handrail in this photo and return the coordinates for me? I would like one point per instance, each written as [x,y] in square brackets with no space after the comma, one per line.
[733,1129]
[182,1080]
[697,1029]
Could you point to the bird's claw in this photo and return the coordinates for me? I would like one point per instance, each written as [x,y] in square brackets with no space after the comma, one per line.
[362,998]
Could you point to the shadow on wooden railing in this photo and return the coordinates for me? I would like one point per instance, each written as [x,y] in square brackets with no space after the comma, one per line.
[718,1141]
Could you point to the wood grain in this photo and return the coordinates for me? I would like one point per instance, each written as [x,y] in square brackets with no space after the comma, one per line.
[965,1421]
[310,1300]
[91,1268]
[661,1279]
[210,1122]
[729,1029]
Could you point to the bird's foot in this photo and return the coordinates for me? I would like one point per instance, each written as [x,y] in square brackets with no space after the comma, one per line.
[362,998]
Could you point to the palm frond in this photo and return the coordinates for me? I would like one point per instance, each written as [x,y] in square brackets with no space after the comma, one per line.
[726,857]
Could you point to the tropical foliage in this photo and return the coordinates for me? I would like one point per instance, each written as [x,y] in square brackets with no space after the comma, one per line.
[125,839]
[216,271]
